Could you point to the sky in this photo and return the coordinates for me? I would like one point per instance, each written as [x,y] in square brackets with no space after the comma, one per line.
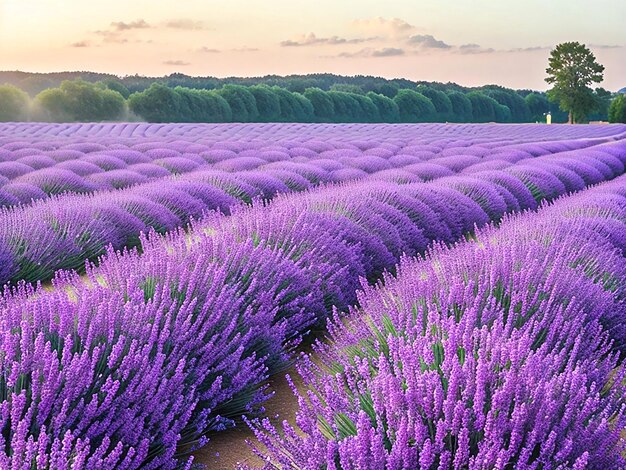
[470,42]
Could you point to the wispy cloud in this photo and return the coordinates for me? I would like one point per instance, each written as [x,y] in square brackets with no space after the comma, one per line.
[123,26]
[312,40]
[370,52]
[473,48]
[246,49]
[606,46]
[427,41]
[208,50]
[112,37]
[185,24]
[80,44]
[178,63]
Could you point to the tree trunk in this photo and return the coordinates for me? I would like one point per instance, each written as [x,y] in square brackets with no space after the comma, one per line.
[570,118]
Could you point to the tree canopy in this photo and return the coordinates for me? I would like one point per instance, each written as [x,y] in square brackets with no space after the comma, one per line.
[572,68]
[14,104]
[617,109]
[79,100]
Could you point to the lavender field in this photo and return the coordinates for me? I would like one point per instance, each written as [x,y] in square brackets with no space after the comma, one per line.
[451,296]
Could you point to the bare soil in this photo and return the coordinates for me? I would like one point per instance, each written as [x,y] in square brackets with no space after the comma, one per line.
[227,449]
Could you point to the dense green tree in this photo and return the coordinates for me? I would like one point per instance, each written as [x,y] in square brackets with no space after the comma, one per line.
[115,85]
[368,111]
[79,100]
[538,106]
[441,102]
[347,108]
[158,103]
[383,88]
[617,110]
[347,88]
[218,108]
[603,101]
[572,67]
[202,106]
[387,108]
[323,107]
[303,107]
[511,99]
[267,103]
[14,104]
[294,107]
[241,101]
[502,112]
[482,107]
[35,84]
[414,107]
[461,107]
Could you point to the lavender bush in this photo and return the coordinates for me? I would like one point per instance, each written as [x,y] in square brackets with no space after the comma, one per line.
[503,351]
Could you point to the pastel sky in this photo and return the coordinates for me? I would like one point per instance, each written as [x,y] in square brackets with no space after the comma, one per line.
[471,42]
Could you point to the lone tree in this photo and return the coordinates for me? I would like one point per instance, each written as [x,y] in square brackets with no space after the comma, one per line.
[572,68]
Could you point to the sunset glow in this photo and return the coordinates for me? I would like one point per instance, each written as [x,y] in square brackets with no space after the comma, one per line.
[471,43]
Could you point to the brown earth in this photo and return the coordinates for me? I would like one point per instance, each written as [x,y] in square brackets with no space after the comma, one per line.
[227,449]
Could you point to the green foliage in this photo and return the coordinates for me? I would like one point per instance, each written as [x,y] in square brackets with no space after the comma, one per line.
[502,112]
[14,104]
[387,108]
[350,107]
[603,101]
[461,107]
[305,98]
[347,88]
[241,101]
[483,107]
[294,107]
[156,104]
[115,85]
[512,100]
[572,67]
[323,107]
[303,108]
[79,100]
[202,106]
[267,103]
[441,102]
[617,110]
[538,106]
[414,107]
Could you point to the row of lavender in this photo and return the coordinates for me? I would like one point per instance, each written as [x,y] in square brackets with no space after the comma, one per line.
[505,351]
[62,232]
[37,161]
[127,367]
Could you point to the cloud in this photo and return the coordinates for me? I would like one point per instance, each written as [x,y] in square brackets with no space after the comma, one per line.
[137,24]
[473,48]
[605,46]
[111,37]
[428,41]
[209,50]
[394,27]
[81,44]
[246,49]
[369,52]
[312,40]
[178,63]
[528,49]
[185,24]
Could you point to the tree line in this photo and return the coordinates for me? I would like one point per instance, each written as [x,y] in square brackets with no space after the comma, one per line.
[285,99]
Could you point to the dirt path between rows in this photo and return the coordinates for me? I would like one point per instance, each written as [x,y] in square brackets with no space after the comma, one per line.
[227,449]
